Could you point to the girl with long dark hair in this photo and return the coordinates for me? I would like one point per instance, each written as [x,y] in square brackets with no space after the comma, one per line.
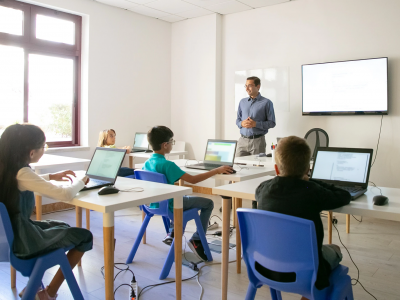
[21,145]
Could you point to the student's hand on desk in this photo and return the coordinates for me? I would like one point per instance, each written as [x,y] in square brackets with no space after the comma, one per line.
[85,180]
[128,149]
[62,176]
[224,170]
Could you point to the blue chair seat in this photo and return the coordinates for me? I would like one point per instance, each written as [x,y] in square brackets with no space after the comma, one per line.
[167,216]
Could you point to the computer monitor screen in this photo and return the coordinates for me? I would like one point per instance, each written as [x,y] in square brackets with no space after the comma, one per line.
[346,87]
[141,141]
[342,166]
[105,163]
[220,151]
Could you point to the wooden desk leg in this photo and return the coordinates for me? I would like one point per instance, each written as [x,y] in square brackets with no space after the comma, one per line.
[131,162]
[238,240]
[234,206]
[226,207]
[144,235]
[13,277]
[181,182]
[108,239]
[329,227]
[347,223]
[178,220]
[38,203]
[87,219]
[78,215]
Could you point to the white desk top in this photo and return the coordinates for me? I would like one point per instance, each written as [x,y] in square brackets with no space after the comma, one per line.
[246,173]
[255,160]
[153,192]
[362,206]
[49,160]
[147,155]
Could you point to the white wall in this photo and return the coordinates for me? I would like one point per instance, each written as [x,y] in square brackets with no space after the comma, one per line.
[311,31]
[127,65]
[195,82]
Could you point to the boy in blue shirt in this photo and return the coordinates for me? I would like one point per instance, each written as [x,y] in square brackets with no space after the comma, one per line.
[161,140]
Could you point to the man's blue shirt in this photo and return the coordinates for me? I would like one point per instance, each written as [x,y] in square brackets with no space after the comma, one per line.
[260,110]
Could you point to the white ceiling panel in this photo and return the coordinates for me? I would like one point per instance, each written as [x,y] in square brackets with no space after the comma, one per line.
[262,3]
[194,13]
[147,11]
[229,7]
[172,18]
[171,6]
[119,3]
[205,3]
[141,1]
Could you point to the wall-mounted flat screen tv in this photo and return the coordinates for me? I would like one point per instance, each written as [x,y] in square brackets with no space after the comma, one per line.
[354,87]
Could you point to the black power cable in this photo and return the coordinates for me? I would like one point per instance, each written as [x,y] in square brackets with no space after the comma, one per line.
[377,145]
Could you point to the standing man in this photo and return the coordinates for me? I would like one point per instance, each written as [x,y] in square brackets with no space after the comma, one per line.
[255,116]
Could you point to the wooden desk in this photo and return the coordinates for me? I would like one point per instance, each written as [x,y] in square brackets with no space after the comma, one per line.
[147,155]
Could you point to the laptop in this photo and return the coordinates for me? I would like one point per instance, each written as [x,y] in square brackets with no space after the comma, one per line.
[104,167]
[345,168]
[218,153]
[140,144]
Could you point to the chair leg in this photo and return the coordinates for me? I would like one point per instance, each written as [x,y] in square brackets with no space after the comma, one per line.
[166,224]
[71,280]
[203,238]
[168,262]
[275,295]
[35,281]
[251,292]
[138,239]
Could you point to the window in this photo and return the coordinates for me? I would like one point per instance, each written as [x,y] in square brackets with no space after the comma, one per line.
[40,59]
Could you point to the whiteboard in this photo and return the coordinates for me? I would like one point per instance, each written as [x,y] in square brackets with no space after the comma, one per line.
[274,86]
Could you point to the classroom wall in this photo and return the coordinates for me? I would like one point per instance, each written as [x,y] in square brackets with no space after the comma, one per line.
[195,82]
[311,31]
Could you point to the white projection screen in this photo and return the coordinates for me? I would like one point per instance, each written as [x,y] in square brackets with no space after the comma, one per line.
[346,87]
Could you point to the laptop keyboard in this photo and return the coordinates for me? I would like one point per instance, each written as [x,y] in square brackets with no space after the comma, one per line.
[96,182]
[350,189]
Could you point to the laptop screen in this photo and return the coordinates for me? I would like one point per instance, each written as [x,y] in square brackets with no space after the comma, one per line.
[220,151]
[342,166]
[105,163]
[141,141]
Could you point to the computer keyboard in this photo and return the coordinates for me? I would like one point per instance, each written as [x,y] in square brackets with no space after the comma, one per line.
[96,182]
[350,189]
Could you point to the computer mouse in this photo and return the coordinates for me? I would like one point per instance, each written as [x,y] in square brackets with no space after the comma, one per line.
[269,155]
[262,155]
[108,190]
[380,200]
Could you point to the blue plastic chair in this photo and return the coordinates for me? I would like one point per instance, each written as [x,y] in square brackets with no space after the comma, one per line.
[34,268]
[167,215]
[283,246]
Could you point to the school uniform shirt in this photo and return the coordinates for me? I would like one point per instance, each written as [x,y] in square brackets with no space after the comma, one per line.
[159,164]
[303,199]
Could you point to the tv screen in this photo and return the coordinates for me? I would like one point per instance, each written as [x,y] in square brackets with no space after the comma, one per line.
[346,87]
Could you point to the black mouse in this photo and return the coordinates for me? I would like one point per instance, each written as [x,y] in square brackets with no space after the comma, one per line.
[380,200]
[269,155]
[262,155]
[108,190]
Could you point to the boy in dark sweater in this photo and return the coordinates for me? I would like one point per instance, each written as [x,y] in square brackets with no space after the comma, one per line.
[292,193]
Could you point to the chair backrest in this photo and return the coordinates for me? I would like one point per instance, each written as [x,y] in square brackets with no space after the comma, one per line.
[155,177]
[6,234]
[279,250]
[315,138]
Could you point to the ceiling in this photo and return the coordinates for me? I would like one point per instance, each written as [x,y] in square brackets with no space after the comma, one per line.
[178,10]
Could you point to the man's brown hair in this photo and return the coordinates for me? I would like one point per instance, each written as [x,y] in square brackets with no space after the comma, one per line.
[293,156]
[255,79]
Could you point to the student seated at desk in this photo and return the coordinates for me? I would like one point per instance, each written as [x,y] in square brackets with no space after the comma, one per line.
[292,193]
[161,140]
[107,140]
[21,145]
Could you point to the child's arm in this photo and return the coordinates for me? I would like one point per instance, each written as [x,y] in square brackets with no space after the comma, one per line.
[198,178]
[329,197]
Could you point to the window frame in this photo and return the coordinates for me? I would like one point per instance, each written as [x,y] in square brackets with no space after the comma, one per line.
[32,45]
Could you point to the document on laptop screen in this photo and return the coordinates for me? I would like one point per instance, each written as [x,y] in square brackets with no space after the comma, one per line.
[105,163]
[341,166]
[220,152]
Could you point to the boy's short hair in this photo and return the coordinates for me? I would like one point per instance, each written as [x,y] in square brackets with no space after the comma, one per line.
[293,156]
[159,135]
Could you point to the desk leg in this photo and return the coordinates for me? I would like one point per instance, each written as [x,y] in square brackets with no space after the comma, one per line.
[13,277]
[144,234]
[347,223]
[329,227]
[238,240]
[87,219]
[226,206]
[131,162]
[234,206]
[78,215]
[178,220]
[108,239]
[38,203]
[181,182]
